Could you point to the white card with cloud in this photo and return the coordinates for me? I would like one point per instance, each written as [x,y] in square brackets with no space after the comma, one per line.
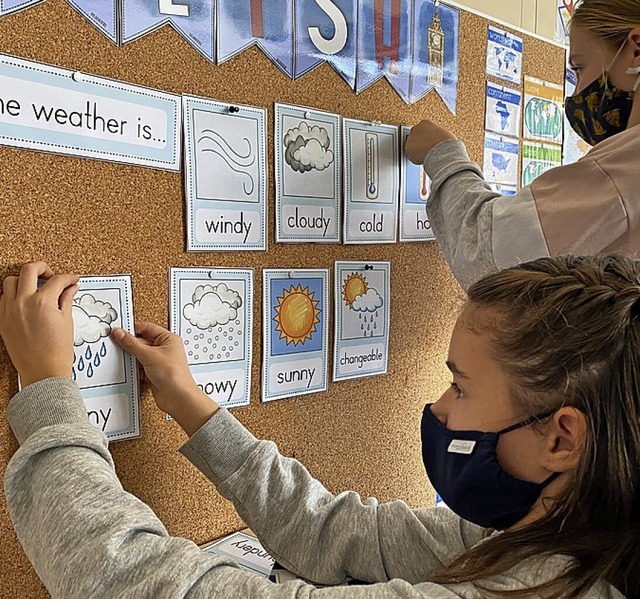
[295,324]
[107,376]
[415,187]
[371,182]
[212,310]
[225,175]
[308,190]
[362,303]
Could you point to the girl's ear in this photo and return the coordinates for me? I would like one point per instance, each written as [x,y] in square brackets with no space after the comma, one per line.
[566,436]
[633,40]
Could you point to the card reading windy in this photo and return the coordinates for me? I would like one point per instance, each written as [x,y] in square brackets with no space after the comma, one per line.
[415,187]
[225,176]
[107,376]
[371,185]
[212,310]
[295,325]
[308,191]
[362,293]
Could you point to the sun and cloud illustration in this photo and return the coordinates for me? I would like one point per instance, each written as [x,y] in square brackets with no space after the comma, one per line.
[297,314]
[360,298]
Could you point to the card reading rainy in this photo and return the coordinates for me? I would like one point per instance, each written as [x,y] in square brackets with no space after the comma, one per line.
[308,190]
[371,185]
[212,310]
[295,332]
[362,294]
[107,376]
[225,176]
[415,187]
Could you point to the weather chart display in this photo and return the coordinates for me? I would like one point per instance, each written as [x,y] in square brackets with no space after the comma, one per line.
[106,375]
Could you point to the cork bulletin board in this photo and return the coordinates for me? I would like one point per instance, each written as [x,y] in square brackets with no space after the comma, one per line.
[94,217]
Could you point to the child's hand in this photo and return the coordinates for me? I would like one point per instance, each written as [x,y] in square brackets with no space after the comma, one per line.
[161,354]
[36,324]
[425,136]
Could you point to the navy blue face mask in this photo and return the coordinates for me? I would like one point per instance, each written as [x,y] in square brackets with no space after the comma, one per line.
[464,470]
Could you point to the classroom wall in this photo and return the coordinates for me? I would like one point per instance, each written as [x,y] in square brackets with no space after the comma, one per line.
[536,16]
[95,217]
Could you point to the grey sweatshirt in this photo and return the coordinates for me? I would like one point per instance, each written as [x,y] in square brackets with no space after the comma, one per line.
[87,537]
[589,207]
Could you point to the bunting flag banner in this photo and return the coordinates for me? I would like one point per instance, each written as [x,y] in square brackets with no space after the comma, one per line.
[194,20]
[435,64]
[9,6]
[266,23]
[326,32]
[384,45]
[102,14]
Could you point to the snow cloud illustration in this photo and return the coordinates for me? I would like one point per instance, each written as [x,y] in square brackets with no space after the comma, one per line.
[367,302]
[92,319]
[212,306]
[307,148]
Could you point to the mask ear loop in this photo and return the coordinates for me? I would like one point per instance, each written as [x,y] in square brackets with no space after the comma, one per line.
[634,71]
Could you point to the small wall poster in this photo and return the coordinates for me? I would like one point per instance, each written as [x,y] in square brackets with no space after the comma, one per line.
[362,303]
[107,375]
[212,310]
[573,146]
[502,112]
[415,187]
[56,110]
[308,169]
[372,174]
[504,55]
[538,158]
[295,325]
[501,155]
[543,110]
[225,176]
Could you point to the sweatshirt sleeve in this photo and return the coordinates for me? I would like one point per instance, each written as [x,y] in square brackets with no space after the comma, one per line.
[319,536]
[87,538]
[478,230]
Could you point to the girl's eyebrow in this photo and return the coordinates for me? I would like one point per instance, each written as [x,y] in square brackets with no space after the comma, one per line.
[455,370]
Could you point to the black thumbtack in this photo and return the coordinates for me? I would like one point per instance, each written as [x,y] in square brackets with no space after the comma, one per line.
[233,109]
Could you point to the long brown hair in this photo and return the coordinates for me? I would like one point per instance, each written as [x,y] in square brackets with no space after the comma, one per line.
[609,20]
[566,331]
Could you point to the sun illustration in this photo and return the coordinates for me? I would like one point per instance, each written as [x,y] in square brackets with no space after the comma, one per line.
[354,286]
[297,315]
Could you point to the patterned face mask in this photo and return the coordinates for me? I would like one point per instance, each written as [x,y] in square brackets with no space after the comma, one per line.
[601,110]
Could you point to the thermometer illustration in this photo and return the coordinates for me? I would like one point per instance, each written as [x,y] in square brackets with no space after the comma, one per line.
[372,165]
[425,185]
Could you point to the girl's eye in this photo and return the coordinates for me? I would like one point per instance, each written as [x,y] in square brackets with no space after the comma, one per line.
[457,389]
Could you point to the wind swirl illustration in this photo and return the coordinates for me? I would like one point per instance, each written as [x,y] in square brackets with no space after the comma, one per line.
[237,162]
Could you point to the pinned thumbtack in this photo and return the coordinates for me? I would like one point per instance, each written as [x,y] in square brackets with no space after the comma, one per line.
[233,109]
[77,76]
[368,266]
[212,274]
[375,123]
[307,115]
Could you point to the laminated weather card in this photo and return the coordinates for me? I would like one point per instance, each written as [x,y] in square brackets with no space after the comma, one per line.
[107,376]
[212,310]
[371,184]
[502,110]
[307,150]
[415,187]
[56,110]
[244,549]
[295,321]
[362,293]
[225,176]
[504,55]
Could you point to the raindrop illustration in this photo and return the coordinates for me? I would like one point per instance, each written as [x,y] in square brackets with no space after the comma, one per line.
[360,316]
[103,350]
[376,314]
[88,353]
[186,342]
[209,341]
[217,338]
[197,357]
[375,325]
[362,327]
[188,331]
[73,374]
[211,357]
[219,356]
[196,346]
[96,360]
[90,371]
[238,322]
[210,329]
[224,348]
[74,357]
[236,344]
[191,353]
[368,327]
[227,354]
[80,364]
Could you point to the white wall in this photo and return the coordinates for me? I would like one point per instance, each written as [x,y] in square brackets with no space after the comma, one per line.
[537,16]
